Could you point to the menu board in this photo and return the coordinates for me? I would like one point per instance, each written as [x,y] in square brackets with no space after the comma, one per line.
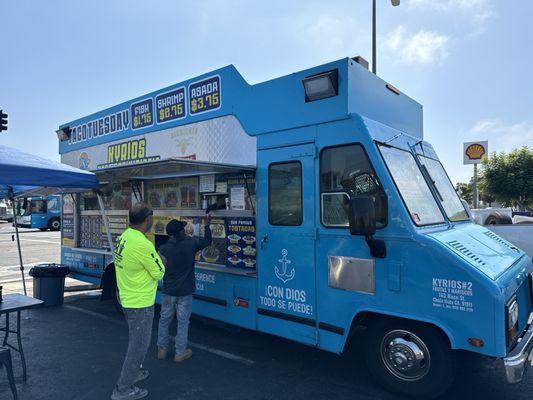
[67,221]
[142,114]
[234,240]
[207,183]
[241,242]
[170,105]
[221,187]
[247,198]
[204,95]
[117,225]
[90,231]
[237,198]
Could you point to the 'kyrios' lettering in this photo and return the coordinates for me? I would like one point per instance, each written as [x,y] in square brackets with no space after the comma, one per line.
[127,151]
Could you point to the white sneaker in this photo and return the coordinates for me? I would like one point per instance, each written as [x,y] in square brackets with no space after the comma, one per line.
[143,374]
[133,393]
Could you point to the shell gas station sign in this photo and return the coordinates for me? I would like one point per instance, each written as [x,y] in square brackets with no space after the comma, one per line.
[473,152]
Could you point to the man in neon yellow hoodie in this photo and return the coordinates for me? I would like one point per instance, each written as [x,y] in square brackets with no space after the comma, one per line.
[138,268]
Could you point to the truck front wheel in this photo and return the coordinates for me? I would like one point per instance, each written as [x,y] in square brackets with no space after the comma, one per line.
[410,358]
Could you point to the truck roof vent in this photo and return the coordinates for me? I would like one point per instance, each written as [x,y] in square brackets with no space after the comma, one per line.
[461,248]
[501,241]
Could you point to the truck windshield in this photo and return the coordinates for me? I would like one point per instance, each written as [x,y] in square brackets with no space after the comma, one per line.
[38,207]
[412,186]
[448,196]
[23,207]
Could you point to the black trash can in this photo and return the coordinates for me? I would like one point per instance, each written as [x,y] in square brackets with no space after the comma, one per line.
[49,283]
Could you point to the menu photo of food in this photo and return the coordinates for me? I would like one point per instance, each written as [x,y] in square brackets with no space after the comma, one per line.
[188,193]
[249,251]
[215,253]
[171,195]
[234,260]
[192,228]
[218,229]
[211,254]
[249,262]
[160,224]
[241,243]
[234,238]
[156,195]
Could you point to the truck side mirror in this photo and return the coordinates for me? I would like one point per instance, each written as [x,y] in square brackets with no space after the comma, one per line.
[362,216]
[363,222]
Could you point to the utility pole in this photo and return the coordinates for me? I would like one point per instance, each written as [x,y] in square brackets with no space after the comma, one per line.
[475,194]
[394,3]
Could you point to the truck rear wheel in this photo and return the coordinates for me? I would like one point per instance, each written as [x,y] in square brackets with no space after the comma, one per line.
[410,358]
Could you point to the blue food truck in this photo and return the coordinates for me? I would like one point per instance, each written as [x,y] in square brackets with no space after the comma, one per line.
[330,211]
[39,212]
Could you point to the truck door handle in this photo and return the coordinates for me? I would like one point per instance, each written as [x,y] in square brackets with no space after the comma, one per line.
[263,241]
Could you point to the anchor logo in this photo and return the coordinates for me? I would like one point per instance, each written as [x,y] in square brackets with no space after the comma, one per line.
[284,275]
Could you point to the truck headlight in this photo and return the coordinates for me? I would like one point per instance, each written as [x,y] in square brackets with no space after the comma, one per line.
[512,319]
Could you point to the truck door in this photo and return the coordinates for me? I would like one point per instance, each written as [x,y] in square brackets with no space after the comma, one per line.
[286,242]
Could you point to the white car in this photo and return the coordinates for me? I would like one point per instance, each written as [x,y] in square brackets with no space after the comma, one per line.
[6,213]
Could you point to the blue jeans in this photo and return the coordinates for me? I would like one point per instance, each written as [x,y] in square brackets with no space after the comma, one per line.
[181,307]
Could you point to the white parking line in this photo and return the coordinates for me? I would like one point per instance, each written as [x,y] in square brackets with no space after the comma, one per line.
[95,314]
[222,353]
[26,266]
[41,241]
[217,352]
[33,240]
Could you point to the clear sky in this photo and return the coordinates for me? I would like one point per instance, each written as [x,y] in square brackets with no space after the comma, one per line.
[467,61]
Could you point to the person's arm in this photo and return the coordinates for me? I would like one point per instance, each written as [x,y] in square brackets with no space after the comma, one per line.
[207,239]
[161,251]
[163,258]
[151,261]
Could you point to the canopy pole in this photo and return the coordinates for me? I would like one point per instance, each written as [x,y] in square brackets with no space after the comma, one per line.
[106,222]
[18,245]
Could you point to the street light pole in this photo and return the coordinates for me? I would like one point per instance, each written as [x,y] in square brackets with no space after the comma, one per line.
[374,36]
[394,3]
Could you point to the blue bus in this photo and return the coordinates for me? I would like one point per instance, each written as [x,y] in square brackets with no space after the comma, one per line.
[329,211]
[41,212]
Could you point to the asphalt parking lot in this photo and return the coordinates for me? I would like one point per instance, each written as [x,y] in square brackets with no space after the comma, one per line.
[76,351]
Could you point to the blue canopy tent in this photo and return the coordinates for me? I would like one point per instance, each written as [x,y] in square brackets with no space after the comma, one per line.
[23,174]
[22,169]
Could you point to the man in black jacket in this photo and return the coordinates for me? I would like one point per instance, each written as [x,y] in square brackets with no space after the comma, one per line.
[178,286]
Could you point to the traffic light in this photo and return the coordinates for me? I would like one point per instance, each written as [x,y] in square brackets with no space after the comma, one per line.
[3,121]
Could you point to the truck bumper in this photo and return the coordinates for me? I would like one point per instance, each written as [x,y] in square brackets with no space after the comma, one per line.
[520,357]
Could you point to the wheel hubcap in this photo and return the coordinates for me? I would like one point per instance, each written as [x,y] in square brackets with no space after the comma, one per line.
[405,355]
